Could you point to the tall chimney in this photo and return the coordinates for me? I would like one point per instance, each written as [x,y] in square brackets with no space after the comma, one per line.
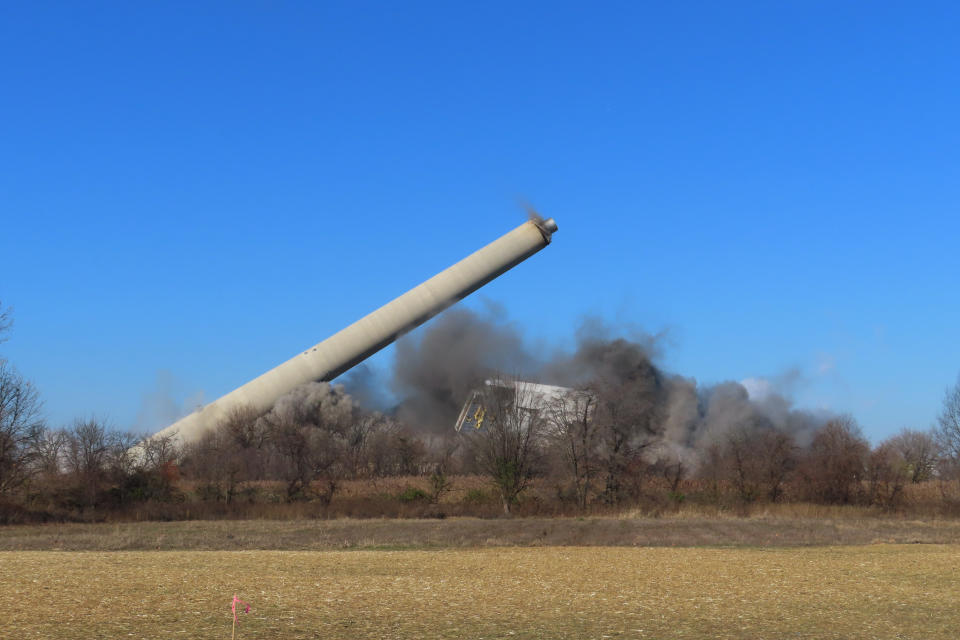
[357,342]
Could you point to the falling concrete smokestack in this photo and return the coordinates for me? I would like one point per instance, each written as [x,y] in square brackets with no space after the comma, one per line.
[363,338]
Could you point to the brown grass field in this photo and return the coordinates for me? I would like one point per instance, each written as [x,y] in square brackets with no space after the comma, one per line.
[870,591]
[828,574]
[683,529]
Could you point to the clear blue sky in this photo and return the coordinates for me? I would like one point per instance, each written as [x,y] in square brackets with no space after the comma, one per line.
[197,191]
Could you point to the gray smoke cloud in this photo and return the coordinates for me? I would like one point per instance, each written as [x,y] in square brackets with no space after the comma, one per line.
[674,418]
[604,355]
[435,369]
[318,403]
[165,403]
[367,388]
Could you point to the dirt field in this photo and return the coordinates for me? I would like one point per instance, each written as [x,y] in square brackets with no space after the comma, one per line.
[875,591]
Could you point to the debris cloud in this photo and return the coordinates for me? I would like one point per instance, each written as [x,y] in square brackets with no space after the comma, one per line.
[671,416]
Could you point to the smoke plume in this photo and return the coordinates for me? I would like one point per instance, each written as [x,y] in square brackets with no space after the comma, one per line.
[165,403]
[317,403]
[435,369]
[671,417]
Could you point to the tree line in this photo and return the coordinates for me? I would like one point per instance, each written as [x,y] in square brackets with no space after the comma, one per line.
[594,448]
[586,457]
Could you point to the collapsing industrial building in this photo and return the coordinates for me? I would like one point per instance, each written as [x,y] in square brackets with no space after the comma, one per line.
[551,405]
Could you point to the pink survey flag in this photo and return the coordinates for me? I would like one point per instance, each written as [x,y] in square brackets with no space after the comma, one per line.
[243,605]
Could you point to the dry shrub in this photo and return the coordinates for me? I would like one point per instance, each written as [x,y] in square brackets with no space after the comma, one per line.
[472,495]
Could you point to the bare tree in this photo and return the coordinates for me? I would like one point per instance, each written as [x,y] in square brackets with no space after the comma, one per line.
[361,439]
[779,453]
[667,465]
[152,472]
[712,470]
[438,459]
[834,465]
[244,426]
[308,454]
[245,442]
[628,421]
[631,406]
[572,430]
[887,474]
[49,448]
[219,462]
[743,465]
[291,440]
[122,461]
[87,454]
[382,458]
[159,451]
[307,429]
[919,451]
[506,442]
[20,426]
[948,423]
[328,448]
[6,321]
[758,459]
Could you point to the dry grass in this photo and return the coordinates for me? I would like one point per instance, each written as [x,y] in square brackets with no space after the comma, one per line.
[469,496]
[879,591]
[681,529]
